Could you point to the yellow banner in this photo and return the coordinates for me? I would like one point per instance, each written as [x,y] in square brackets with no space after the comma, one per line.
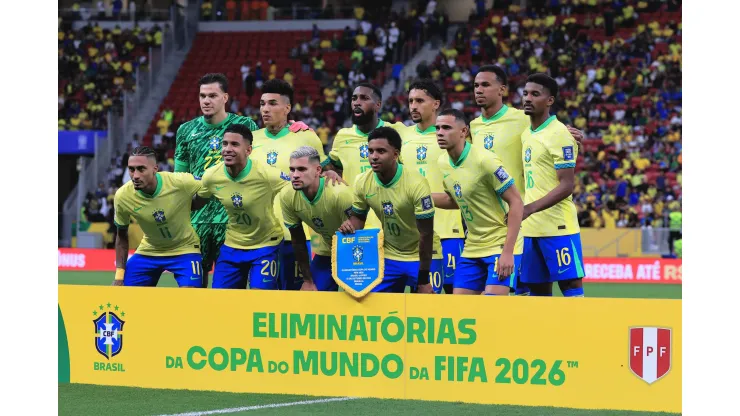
[582,353]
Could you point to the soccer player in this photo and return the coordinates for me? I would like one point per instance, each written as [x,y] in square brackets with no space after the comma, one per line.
[552,240]
[349,155]
[401,198]
[198,147]
[247,189]
[478,184]
[319,206]
[273,145]
[420,151]
[160,204]
[499,130]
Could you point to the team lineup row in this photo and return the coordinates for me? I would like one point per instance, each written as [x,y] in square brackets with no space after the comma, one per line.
[478,208]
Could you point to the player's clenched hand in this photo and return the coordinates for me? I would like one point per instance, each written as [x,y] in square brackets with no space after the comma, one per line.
[309,286]
[333,177]
[505,266]
[427,288]
[117,283]
[347,227]
[578,136]
[296,126]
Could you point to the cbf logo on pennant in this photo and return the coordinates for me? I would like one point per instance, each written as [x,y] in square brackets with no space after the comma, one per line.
[357,261]
[650,352]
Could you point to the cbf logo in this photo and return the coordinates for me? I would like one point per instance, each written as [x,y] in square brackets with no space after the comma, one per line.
[364,153]
[272,157]
[387,208]
[317,222]
[108,330]
[488,141]
[357,254]
[236,199]
[528,155]
[421,152]
[214,143]
[458,190]
[650,352]
[159,216]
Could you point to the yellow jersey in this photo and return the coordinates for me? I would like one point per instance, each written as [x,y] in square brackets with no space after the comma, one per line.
[275,150]
[323,214]
[502,135]
[163,216]
[420,151]
[406,198]
[475,182]
[248,199]
[547,149]
[350,153]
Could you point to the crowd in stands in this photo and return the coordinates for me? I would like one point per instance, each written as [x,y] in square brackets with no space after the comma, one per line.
[95,66]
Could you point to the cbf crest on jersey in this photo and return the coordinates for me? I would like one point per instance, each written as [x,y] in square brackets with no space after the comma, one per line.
[388,208]
[159,216]
[272,157]
[458,190]
[108,330]
[650,352]
[236,199]
[421,152]
[488,141]
[528,155]
[214,143]
[364,153]
[317,222]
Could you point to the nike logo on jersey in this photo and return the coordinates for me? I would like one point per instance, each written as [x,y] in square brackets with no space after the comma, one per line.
[137,209]
[368,196]
[563,271]
[266,280]
[194,134]
[194,277]
[254,147]
[445,175]
[346,142]
[218,188]
[406,142]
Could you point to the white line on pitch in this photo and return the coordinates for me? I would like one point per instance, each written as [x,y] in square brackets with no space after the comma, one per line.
[262,406]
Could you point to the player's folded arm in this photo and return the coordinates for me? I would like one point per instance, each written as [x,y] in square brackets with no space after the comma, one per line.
[444,200]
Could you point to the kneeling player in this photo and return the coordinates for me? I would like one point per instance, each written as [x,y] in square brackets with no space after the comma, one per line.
[552,240]
[160,203]
[247,189]
[401,198]
[478,184]
[323,208]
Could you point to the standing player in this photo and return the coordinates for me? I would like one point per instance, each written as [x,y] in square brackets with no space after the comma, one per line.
[402,200]
[552,239]
[349,155]
[160,203]
[478,184]
[321,207]
[198,147]
[273,145]
[421,151]
[246,188]
[499,130]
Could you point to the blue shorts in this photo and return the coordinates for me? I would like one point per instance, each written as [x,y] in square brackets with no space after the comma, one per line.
[452,249]
[236,267]
[549,259]
[290,276]
[144,270]
[321,271]
[398,274]
[477,273]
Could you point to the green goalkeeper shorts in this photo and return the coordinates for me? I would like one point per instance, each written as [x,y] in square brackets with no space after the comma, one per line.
[212,237]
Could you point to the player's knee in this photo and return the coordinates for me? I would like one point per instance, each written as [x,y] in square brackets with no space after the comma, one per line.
[570,284]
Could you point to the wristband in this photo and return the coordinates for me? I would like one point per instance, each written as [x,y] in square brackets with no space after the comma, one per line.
[119,273]
[423,277]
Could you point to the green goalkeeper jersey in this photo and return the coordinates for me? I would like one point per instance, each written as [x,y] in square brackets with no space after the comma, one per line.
[198,147]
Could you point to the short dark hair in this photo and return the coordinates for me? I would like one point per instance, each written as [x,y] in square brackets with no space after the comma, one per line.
[278,86]
[223,82]
[428,86]
[376,91]
[459,115]
[546,81]
[495,69]
[144,151]
[240,129]
[386,133]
